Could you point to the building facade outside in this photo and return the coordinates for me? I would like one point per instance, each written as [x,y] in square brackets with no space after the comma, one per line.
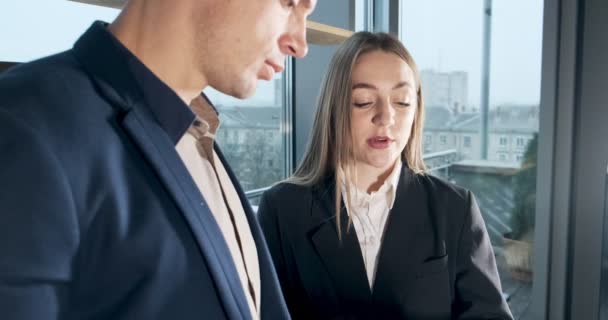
[511,128]
[250,138]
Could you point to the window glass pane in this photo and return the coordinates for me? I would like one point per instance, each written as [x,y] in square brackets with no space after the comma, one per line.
[362,15]
[31,29]
[446,39]
[252,134]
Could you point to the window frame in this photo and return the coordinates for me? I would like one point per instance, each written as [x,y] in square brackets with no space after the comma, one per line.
[286,129]
[560,37]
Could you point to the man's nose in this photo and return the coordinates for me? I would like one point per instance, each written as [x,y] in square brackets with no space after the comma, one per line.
[294,43]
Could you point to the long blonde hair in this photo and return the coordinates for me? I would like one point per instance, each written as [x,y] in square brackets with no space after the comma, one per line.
[330,147]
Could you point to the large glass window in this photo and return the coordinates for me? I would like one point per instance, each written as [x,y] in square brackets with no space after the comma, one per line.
[253,134]
[31,29]
[363,15]
[480,65]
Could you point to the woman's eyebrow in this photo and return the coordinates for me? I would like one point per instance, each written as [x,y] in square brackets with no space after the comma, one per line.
[364,85]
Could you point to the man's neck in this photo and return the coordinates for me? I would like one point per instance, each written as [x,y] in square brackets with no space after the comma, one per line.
[150,36]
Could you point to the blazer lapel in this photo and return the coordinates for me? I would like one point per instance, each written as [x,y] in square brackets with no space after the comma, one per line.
[160,153]
[116,84]
[409,239]
[272,303]
[342,259]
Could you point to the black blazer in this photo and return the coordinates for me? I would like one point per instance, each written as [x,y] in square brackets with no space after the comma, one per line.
[436,261]
[99,218]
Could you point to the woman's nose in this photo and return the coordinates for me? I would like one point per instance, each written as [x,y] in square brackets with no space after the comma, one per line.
[385,114]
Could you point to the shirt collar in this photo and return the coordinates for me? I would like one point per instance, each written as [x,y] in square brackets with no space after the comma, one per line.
[207,120]
[387,190]
[173,115]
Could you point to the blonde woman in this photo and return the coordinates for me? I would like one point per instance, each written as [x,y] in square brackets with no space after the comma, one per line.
[360,231]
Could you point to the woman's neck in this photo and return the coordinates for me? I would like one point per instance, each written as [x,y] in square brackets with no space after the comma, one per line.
[370,178]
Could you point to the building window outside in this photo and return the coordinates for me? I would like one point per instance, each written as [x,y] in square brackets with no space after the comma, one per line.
[467,141]
[503,141]
[451,75]
[520,142]
[428,139]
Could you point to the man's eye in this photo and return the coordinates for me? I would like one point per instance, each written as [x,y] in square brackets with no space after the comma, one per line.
[290,3]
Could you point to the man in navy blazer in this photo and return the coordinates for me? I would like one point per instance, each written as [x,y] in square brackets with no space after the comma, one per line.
[100,215]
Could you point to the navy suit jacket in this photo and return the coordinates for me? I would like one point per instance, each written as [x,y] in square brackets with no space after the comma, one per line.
[99,218]
[435,262]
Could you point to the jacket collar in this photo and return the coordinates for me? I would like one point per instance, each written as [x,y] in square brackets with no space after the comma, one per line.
[153,135]
[410,222]
[110,61]
[386,192]
[341,256]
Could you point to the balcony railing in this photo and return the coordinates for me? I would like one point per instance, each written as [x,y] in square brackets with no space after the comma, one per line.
[437,163]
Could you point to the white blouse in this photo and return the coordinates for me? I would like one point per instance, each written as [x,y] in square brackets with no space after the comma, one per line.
[369,213]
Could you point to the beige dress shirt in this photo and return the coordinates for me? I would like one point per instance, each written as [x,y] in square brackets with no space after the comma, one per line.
[196,151]
[369,213]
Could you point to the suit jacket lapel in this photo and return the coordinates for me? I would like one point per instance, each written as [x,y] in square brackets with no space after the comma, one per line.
[342,259]
[160,153]
[272,303]
[116,84]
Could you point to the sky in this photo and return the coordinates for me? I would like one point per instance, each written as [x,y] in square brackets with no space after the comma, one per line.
[31,29]
[444,35]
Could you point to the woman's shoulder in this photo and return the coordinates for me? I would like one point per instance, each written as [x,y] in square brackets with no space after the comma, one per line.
[287,191]
[286,187]
[443,190]
[285,203]
[447,199]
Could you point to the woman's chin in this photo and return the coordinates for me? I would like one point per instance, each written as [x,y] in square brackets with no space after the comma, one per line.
[380,164]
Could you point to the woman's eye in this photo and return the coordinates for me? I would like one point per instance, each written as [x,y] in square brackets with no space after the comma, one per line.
[290,3]
[403,104]
[361,104]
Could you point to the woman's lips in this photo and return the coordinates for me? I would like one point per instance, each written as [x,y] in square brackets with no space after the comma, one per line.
[379,142]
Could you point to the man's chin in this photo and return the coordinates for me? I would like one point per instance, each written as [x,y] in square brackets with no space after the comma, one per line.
[247,90]
[246,94]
